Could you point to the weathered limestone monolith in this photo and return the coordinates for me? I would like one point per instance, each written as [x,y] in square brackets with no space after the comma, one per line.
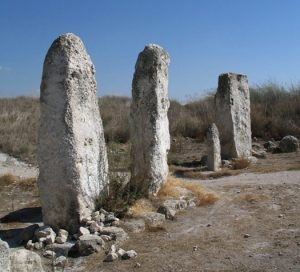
[233,115]
[73,168]
[149,121]
[213,148]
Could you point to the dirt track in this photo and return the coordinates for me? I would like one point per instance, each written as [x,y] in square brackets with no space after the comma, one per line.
[263,206]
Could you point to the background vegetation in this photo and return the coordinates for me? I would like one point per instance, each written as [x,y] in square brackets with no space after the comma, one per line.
[275,112]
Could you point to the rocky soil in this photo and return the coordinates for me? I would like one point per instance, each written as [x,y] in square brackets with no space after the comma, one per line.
[255,226]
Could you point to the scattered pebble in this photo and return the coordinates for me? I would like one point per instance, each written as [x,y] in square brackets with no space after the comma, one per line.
[195,248]
[247,235]
[137,265]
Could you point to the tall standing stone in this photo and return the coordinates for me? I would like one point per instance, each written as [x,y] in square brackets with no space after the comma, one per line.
[149,121]
[73,168]
[233,115]
[213,148]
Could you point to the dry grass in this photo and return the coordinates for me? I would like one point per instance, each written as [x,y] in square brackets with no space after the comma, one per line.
[24,184]
[168,190]
[7,179]
[241,163]
[275,113]
[27,184]
[196,174]
[253,198]
[140,207]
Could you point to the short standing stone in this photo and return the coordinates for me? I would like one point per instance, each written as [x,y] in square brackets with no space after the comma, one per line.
[233,115]
[289,144]
[149,121]
[213,149]
[73,168]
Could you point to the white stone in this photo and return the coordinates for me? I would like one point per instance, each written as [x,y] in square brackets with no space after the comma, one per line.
[83,231]
[62,236]
[73,168]
[121,252]
[45,234]
[49,254]
[23,260]
[4,257]
[233,115]
[129,254]
[149,124]
[213,148]
[61,261]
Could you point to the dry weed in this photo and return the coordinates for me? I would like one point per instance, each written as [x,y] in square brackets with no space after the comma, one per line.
[241,163]
[7,179]
[25,184]
[168,190]
[140,207]
[254,198]
[197,174]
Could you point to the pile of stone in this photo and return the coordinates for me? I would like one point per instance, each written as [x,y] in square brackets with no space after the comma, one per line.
[118,253]
[92,235]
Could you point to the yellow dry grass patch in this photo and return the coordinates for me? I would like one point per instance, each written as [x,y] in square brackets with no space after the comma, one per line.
[9,179]
[140,207]
[168,190]
[241,163]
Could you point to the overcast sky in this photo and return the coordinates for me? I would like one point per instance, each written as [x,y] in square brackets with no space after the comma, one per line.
[204,38]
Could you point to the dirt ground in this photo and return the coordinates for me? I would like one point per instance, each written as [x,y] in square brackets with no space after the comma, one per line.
[254,226]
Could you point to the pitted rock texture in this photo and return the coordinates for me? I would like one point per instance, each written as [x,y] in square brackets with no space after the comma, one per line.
[233,115]
[213,148]
[149,121]
[23,260]
[72,153]
[4,257]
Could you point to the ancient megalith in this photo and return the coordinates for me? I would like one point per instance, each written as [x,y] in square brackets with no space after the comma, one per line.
[213,148]
[73,168]
[149,122]
[232,103]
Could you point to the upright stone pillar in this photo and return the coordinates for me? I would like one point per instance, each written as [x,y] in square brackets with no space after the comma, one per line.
[213,148]
[73,168]
[233,115]
[149,121]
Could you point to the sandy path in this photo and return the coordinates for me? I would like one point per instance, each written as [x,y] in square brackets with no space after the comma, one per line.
[13,166]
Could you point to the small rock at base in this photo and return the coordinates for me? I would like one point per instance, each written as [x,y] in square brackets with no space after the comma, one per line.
[49,254]
[29,245]
[129,255]
[83,231]
[61,261]
[121,252]
[110,257]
